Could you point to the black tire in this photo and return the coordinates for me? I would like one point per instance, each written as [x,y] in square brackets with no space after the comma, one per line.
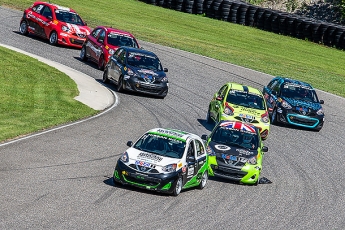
[105,78]
[208,116]
[23,28]
[101,62]
[120,85]
[177,186]
[82,55]
[53,38]
[203,181]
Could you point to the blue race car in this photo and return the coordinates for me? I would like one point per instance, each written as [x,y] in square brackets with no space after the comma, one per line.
[294,102]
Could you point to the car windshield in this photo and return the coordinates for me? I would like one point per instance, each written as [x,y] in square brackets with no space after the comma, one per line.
[68,17]
[299,92]
[141,60]
[161,145]
[121,40]
[236,138]
[249,100]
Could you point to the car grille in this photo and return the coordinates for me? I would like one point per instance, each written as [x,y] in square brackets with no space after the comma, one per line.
[302,121]
[304,113]
[229,172]
[236,163]
[148,181]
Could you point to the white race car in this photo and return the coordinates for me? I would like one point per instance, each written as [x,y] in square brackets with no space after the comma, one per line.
[165,160]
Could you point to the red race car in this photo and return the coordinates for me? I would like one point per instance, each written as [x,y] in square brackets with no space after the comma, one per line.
[61,25]
[103,42]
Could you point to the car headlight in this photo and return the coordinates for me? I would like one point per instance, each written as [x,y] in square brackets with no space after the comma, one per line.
[210,151]
[111,51]
[131,73]
[320,112]
[65,28]
[252,160]
[125,157]
[265,117]
[169,168]
[286,105]
[164,79]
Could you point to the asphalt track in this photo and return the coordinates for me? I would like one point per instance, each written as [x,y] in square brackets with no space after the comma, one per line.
[61,179]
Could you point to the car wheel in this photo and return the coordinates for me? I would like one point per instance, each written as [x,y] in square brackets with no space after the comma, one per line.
[203,181]
[208,116]
[53,38]
[177,186]
[83,56]
[274,117]
[101,62]
[120,85]
[105,78]
[23,28]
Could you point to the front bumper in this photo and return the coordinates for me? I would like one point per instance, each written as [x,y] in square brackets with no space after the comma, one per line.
[70,40]
[289,117]
[151,181]
[247,174]
[156,89]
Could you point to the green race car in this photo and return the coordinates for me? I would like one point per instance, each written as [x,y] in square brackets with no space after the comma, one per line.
[235,152]
[242,103]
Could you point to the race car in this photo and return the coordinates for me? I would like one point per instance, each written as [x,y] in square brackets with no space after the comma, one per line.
[61,25]
[137,70]
[102,42]
[164,160]
[294,103]
[235,152]
[239,102]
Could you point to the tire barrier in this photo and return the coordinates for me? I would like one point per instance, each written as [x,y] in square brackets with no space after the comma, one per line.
[234,11]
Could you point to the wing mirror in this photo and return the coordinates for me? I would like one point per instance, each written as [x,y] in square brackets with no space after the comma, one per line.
[264,149]
[129,143]
[204,137]
[165,69]
[191,159]
[322,102]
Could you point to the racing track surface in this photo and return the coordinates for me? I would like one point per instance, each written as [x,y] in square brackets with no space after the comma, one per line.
[61,180]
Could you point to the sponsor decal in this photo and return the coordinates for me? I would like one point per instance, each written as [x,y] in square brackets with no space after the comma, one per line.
[238,126]
[244,152]
[184,169]
[150,156]
[190,171]
[179,165]
[222,147]
[30,15]
[170,132]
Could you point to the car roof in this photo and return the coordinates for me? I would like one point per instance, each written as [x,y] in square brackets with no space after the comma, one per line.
[239,125]
[55,6]
[139,50]
[173,133]
[245,88]
[109,29]
[295,82]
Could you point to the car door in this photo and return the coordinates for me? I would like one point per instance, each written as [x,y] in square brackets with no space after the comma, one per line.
[271,92]
[217,102]
[200,155]
[192,164]
[91,49]
[98,45]
[115,65]
[35,19]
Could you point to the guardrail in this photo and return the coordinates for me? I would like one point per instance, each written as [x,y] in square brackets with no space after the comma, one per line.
[279,22]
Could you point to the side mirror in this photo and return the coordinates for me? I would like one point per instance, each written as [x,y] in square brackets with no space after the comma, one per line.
[219,98]
[191,159]
[129,143]
[264,149]
[204,137]
[322,102]
[50,18]
[165,69]
[101,40]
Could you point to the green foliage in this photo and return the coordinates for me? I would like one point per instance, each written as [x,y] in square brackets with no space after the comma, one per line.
[291,5]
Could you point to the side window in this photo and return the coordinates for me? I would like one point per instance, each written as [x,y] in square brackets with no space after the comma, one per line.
[191,151]
[38,8]
[121,58]
[276,87]
[95,33]
[271,84]
[46,12]
[222,91]
[199,148]
[101,36]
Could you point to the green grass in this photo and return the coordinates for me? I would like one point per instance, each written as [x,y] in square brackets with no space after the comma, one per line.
[35,96]
[245,46]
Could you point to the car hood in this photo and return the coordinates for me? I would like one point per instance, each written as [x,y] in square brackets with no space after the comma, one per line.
[148,75]
[81,31]
[302,104]
[245,110]
[137,156]
[221,149]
